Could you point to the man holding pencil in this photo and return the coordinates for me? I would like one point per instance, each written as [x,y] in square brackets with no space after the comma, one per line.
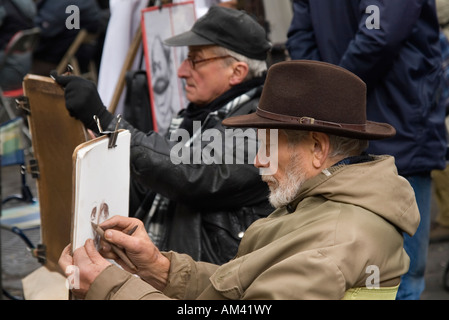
[337,229]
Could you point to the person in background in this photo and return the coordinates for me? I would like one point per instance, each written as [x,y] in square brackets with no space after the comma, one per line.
[394,47]
[439,229]
[15,15]
[56,37]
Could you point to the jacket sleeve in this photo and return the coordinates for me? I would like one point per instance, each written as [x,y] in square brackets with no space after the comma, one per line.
[115,283]
[301,38]
[187,279]
[372,51]
[198,185]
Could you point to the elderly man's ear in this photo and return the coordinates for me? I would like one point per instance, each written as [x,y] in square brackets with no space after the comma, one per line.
[240,71]
[320,147]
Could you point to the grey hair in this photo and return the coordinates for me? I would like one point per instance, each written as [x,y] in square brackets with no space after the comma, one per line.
[256,67]
[340,146]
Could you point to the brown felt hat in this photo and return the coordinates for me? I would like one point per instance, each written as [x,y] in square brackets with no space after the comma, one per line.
[313,96]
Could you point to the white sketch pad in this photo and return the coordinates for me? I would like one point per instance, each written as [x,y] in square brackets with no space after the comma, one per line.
[100,176]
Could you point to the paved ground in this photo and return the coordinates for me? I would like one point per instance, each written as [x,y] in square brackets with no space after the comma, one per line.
[17,261]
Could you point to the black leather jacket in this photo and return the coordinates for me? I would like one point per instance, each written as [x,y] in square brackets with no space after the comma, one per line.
[210,205]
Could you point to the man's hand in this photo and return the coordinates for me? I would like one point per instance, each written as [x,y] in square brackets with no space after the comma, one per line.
[152,266]
[89,262]
[83,101]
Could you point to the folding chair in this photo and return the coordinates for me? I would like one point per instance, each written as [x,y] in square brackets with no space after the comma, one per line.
[22,42]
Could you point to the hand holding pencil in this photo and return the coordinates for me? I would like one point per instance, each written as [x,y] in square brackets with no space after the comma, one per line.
[136,254]
[151,265]
[117,250]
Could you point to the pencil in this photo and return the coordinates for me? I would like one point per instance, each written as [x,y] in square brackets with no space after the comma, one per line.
[118,251]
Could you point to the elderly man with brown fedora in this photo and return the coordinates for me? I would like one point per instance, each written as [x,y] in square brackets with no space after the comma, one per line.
[337,229]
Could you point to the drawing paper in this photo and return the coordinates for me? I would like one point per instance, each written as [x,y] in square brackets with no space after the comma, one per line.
[101,190]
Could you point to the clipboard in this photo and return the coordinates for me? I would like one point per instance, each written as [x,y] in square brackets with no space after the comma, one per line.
[101,177]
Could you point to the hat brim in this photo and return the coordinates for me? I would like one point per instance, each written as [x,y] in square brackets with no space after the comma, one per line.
[373,130]
[188,38]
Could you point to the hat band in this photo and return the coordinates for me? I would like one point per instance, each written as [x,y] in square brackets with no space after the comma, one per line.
[309,121]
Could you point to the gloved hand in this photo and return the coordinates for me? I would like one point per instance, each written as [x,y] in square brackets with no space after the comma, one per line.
[83,101]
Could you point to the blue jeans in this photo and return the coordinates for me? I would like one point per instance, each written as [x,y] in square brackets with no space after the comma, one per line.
[413,283]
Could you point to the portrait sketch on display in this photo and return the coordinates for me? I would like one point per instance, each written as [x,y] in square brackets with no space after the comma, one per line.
[167,92]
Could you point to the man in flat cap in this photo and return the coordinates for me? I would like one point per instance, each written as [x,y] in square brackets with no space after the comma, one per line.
[337,229]
[194,208]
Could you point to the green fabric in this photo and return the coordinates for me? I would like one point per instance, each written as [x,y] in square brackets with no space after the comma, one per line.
[364,293]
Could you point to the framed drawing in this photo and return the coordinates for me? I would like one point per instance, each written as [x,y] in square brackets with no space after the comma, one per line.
[167,93]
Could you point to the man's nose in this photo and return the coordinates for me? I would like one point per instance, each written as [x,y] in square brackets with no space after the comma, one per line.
[261,161]
[184,69]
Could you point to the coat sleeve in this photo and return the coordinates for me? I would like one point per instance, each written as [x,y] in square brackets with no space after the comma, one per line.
[372,51]
[115,283]
[301,38]
[187,279]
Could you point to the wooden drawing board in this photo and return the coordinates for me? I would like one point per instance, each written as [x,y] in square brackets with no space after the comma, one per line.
[55,135]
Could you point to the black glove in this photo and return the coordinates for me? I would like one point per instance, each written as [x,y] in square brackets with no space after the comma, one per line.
[83,101]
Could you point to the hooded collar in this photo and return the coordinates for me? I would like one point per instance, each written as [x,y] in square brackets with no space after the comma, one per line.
[374,185]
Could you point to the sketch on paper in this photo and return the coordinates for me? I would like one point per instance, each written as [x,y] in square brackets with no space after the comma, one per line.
[98,218]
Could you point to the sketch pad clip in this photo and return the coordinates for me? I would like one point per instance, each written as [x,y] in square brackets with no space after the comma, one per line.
[111,134]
